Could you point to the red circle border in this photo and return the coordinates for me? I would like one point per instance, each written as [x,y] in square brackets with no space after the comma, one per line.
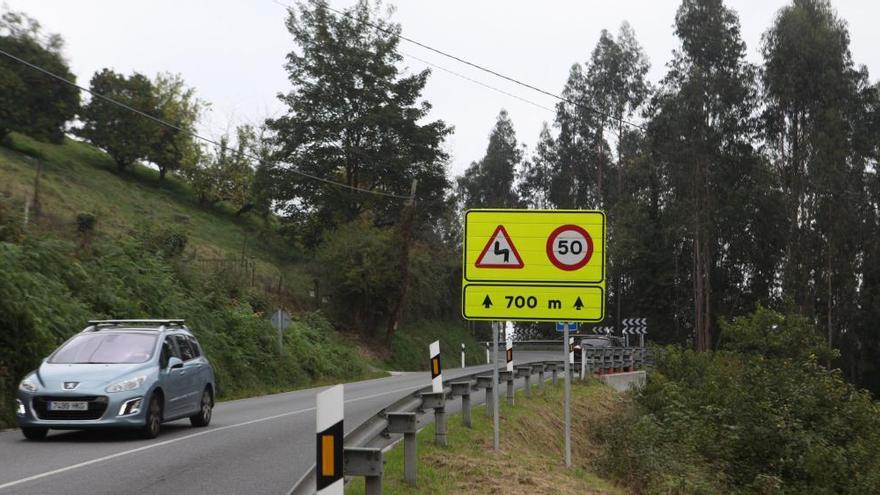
[578,265]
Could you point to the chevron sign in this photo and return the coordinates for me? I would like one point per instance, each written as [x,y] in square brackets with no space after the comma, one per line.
[605,330]
[635,326]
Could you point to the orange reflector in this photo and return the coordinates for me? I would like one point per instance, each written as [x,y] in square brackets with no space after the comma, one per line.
[435,364]
[327,465]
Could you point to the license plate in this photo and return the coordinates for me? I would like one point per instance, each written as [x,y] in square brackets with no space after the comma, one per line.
[68,406]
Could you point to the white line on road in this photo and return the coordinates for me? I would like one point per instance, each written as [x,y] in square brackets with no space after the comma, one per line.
[180,439]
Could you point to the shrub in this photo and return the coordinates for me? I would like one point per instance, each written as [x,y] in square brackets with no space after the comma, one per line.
[85,223]
[757,419]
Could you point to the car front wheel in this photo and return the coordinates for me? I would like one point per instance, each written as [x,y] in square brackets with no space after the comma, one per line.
[153,420]
[35,433]
[203,418]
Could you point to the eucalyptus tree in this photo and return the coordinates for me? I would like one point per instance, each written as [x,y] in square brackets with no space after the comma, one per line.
[702,133]
[489,183]
[812,125]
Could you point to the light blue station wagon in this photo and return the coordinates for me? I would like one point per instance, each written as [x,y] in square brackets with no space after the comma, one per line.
[119,373]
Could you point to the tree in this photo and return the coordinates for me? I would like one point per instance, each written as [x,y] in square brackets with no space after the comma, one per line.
[534,176]
[702,133]
[226,174]
[32,102]
[353,118]
[812,126]
[489,183]
[177,104]
[123,134]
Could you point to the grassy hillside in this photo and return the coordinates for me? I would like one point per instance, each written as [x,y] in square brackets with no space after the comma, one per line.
[53,277]
[77,178]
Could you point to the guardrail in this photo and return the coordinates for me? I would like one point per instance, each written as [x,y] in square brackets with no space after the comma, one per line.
[363,447]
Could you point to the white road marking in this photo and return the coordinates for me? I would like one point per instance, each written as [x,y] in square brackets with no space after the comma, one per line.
[180,439]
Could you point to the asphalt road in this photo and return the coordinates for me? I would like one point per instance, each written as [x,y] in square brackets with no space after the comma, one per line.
[261,445]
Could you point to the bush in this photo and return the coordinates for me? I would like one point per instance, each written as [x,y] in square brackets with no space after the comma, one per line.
[746,421]
[85,223]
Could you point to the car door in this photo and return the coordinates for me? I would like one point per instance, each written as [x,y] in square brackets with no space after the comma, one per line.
[172,380]
[190,374]
[203,366]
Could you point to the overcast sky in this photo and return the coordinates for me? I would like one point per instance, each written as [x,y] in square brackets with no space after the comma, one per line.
[233,51]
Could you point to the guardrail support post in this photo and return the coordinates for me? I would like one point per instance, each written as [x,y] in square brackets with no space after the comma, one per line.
[525,372]
[464,390]
[540,368]
[406,423]
[437,402]
[440,436]
[554,374]
[366,462]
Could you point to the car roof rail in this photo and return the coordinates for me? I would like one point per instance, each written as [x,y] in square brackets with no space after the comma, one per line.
[162,324]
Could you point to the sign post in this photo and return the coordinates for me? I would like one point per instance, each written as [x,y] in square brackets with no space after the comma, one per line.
[281,320]
[534,265]
[566,343]
[496,404]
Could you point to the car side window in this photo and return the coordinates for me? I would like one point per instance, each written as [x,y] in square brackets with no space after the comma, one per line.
[194,344]
[186,351]
[168,351]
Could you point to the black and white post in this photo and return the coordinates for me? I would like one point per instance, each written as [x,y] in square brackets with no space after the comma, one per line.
[488,357]
[329,411]
[436,370]
[462,355]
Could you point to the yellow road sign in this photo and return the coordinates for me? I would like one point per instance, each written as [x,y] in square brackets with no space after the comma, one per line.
[534,265]
[540,246]
[529,302]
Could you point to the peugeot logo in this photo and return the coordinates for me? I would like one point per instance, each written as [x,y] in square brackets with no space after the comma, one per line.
[70,385]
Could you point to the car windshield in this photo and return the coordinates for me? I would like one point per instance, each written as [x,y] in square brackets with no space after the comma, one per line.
[106,348]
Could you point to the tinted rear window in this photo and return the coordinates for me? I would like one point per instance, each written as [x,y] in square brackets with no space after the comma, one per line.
[109,348]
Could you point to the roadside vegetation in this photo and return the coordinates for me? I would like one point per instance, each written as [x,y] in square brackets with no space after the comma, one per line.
[763,414]
[531,459]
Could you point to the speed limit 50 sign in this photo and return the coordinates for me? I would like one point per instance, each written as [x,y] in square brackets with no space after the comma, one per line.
[534,265]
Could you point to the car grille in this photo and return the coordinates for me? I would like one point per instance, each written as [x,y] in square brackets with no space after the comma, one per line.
[97,406]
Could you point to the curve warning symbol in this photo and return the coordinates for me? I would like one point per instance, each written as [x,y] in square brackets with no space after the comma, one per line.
[499,252]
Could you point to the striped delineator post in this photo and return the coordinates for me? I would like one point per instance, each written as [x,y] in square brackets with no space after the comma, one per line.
[436,370]
[462,355]
[328,467]
[509,356]
[488,357]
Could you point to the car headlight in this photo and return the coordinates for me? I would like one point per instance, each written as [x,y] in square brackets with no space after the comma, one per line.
[126,385]
[27,385]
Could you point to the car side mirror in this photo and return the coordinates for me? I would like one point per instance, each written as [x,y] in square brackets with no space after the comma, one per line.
[175,363]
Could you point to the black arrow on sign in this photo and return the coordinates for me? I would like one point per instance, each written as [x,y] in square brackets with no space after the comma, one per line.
[578,304]
[487,303]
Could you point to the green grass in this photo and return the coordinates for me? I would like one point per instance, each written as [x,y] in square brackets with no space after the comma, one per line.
[410,346]
[531,456]
[80,178]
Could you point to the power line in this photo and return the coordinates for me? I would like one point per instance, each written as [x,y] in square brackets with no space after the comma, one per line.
[487,86]
[484,69]
[189,132]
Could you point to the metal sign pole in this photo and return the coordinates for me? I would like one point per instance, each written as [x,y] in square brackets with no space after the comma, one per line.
[567,406]
[496,402]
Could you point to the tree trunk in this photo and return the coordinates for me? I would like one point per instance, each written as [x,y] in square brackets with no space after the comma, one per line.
[406,228]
